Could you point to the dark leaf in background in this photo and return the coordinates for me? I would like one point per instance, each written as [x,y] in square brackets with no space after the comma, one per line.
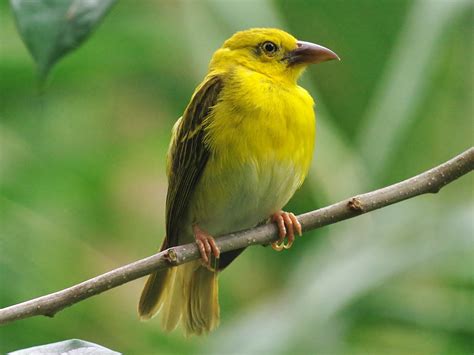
[72,346]
[52,28]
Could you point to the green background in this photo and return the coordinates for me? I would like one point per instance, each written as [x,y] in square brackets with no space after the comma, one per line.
[83,182]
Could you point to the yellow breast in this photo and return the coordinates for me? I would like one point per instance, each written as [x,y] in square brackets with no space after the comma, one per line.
[261,137]
[262,118]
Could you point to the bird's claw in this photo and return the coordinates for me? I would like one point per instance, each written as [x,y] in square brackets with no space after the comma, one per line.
[287,225]
[207,247]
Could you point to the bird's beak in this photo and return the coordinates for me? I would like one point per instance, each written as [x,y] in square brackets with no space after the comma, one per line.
[310,53]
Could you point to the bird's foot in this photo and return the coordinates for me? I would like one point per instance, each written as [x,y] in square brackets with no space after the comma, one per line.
[287,224]
[207,246]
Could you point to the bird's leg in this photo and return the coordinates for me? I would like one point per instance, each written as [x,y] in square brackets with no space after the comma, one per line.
[206,245]
[287,225]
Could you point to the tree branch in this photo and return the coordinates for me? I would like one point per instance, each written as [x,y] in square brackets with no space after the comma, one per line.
[430,181]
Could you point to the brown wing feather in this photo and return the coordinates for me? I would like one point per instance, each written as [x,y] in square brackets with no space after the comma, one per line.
[188,156]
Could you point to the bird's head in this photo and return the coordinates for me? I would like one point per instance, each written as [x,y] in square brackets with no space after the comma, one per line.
[271,52]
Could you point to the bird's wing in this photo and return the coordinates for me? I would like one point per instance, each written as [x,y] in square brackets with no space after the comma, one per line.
[188,156]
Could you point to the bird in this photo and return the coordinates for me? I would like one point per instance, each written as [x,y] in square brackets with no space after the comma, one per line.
[241,149]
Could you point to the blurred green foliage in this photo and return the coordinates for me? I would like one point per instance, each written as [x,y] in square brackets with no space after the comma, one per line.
[83,182]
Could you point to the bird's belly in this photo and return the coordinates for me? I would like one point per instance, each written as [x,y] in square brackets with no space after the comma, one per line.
[240,197]
[262,143]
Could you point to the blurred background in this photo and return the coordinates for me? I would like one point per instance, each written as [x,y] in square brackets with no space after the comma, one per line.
[82,178]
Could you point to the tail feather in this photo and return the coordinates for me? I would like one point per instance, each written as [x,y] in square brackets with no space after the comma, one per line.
[171,312]
[152,298]
[202,309]
[188,292]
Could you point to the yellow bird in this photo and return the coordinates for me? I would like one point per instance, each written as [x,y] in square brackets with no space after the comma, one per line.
[237,155]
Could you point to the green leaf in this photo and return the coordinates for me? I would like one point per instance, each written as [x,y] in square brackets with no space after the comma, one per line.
[52,28]
[72,346]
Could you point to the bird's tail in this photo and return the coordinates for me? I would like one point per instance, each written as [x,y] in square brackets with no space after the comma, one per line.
[188,292]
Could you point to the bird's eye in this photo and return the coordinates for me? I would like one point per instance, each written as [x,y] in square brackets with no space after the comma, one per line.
[269,47]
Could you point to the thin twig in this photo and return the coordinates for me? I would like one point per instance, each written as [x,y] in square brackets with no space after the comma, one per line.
[430,181]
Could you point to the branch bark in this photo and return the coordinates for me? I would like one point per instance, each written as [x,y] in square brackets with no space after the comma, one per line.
[430,181]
